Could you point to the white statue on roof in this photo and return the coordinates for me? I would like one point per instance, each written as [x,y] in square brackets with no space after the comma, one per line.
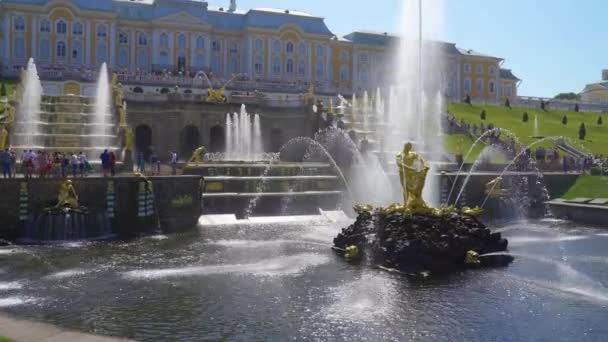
[232,7]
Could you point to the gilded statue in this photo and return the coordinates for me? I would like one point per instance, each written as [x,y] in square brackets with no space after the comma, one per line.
[6,120]
[197,156]
[413,170]
[129,139]
[494,189]
[67,196]
[216,96]
[310,95]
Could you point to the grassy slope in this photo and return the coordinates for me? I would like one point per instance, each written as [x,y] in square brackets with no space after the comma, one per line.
[588,187]
[550,124]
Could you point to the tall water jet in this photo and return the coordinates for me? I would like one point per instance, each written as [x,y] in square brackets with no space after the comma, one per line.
[365,112]
[244,137]
[229,131]
[101,115]
[257,136]
[28,119]
[536,133]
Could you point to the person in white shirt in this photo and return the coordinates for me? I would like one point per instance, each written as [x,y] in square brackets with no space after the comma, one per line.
[74,163]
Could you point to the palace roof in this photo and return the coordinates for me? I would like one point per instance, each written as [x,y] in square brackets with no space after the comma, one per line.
[507,74]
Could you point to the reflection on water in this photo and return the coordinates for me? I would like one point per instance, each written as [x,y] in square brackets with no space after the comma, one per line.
[276,282]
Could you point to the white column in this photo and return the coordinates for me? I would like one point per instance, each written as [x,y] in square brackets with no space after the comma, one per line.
[87,33]
[34,29]
[133,54]
[192,47]
[225,61]
[328,64]
[355,73]
[208,50]
[112,62]
[269,71]
[155,42]
[171,48]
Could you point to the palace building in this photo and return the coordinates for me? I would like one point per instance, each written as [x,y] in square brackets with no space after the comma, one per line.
[187,36]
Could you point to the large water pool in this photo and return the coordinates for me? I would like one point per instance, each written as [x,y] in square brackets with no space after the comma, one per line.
[278,282]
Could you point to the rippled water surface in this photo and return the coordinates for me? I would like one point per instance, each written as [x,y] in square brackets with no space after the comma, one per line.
[284,282]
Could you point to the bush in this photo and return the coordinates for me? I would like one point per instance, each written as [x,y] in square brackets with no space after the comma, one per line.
[482,115]
[508,103]
[467,99]
[599,120]
[138,90]
[525,117]
[164,91]
[576,108]
[3,90]
[565,120]
[582,131]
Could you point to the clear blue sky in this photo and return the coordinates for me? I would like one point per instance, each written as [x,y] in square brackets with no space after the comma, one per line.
[552,45]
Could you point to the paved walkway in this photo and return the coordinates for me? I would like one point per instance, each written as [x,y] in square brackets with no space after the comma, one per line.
[27,331]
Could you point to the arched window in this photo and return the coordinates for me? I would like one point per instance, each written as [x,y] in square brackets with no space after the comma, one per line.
[143,39]
[479,69]
[320,69]
[479,85]
[164,40]
[19,24]
[216,63]
[200,42]
[276,46]
[61,27]
[320,51]
[142,59]
[276,66]
[344,73]
[123,58]
[102,53]
[491,87]
[216,45]
[259,45]
[77,29]
[301,68]
[102,31]
[289,66]
[45,26]
[181,41]
[344,56]
[123,38]
[77,52]
[363,57]
[467,85]
[492,70]
[259,65]
[302,49]
[363,75]
[19,47]
[61,50]
[45,48]
[200,61]
[289,48]
[164,58]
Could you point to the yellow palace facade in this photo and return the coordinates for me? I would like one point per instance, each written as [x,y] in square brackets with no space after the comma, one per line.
[272,45]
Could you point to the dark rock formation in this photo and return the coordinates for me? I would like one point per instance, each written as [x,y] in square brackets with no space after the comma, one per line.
[423,242]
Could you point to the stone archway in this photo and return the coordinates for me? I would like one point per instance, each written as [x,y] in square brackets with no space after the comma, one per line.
[190,140]
[143,140]
[217,140]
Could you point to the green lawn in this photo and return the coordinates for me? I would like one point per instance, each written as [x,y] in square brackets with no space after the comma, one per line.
[549,124]
[589,187]
[5,339]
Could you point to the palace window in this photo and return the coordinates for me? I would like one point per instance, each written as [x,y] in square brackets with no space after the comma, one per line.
[61,50]
[45,26]
[19,47]
[289,66]
[102,31]
[45,48]
[200,61]
[234,47]
[479,86]
[164,40]
[276,66]
[123,38]
[76,53]
[61,27]
[259,65]
[216,64]
[479,69]
[234,65]
[216,45]
[363,75]
[344,56]
[363,57]
[19,24]
[143,39]
[508,90]
[492,70]
[301,68]
[289,48]
[164,58]
[77,29]
[123,57]
[259,45]
[320,51]
[320,70]
[467,85]
[491,87]
[142,59]
[181,41]
[200,42]
[102,53]
[344,73]
[276,46]
[467,68]
[301,49]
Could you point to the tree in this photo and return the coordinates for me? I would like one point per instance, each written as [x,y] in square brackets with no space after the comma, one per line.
[565,120]
[3,90]
[576,108]
[508,103]
[482,115]
[568,96]
[582,131]
[599,120]
[525,117]
[467,99]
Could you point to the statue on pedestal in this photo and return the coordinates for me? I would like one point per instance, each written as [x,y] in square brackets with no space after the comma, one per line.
[67,196]
[412,172]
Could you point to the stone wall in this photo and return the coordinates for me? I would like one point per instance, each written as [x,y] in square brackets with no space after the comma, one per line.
[177,203]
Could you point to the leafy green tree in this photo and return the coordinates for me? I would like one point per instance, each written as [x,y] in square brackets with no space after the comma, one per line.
[600,121]
[525,117]
[482,115]
[576,109]
[568,96]
[565,120]
[508,103]
[582,131]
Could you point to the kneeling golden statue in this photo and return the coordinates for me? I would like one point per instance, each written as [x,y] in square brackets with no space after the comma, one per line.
[67,196]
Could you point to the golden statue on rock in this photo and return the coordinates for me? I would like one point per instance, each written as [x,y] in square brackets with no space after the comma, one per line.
[197,155]
[67,196]
[413,170]
[216,96]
